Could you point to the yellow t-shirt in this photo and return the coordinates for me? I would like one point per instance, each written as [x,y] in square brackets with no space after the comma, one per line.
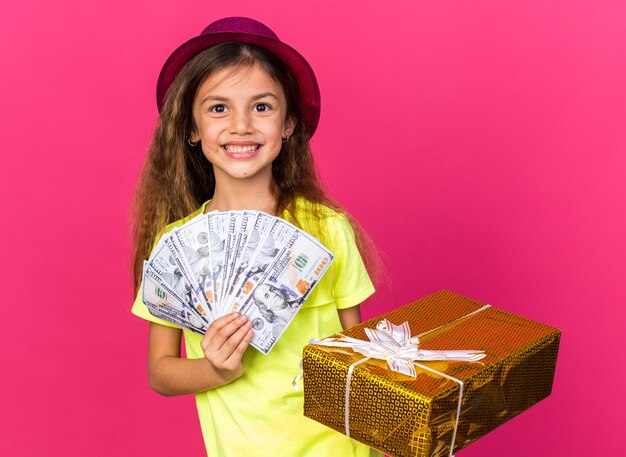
[260,413]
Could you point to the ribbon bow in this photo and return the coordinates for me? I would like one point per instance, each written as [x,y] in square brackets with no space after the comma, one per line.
[395,344]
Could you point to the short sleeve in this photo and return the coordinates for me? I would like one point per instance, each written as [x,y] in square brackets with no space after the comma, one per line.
[350,282]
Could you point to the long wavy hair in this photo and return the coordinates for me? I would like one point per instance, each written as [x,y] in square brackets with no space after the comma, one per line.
[177,178]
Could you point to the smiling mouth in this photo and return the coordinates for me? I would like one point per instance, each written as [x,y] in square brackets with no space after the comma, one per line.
[235,149]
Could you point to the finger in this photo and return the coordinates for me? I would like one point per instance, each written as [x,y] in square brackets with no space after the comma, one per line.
[233,342]
[224,321]
[238,351]
[213,331]
[217,336]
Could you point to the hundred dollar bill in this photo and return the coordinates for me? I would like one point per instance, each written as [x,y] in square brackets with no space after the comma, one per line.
[249,242]
[235,219]
[273,242]
[287,283]
[197,297]
[162,261]
[218,231]
[245,261]
[164,303]
[248,219]
[193,237]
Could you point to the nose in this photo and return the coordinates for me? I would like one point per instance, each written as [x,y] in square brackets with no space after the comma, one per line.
[241,122]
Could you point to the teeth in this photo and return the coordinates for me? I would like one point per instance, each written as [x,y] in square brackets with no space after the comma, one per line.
[231,148]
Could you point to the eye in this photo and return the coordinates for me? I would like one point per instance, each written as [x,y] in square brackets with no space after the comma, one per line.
[218,109]
[262,107]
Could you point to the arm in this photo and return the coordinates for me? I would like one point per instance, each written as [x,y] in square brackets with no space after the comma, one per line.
[349,317]
[223,344]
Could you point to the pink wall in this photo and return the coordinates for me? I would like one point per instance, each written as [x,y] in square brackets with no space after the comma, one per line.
[482,145]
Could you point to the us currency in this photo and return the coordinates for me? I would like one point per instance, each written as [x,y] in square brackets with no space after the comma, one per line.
[248,219]
[285,286]
[164,303]
[193,237]
[162,261]
[245,261]
[198,299]
[218,230]
[235,219]
[273,242]
[247,248]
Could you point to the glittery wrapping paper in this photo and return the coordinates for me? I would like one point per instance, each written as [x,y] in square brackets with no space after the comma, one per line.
[406,416]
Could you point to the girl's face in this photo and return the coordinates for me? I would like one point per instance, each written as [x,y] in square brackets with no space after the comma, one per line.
[240,118]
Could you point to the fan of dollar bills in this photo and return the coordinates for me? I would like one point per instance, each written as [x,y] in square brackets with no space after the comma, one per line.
[245,261]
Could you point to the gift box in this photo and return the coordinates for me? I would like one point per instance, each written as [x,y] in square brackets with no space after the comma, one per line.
[447,404]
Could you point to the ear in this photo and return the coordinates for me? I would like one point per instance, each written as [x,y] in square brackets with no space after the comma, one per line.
[288,128]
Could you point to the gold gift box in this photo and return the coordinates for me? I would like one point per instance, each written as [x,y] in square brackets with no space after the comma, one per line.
[404,416]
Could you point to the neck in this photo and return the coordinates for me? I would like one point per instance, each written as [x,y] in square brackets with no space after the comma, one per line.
[240,194]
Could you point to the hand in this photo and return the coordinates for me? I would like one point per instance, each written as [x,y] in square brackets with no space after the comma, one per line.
[225,342]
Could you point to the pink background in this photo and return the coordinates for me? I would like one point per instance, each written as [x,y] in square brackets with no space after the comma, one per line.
[480,143]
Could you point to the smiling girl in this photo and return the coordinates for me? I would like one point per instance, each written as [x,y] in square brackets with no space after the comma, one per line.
[237,109]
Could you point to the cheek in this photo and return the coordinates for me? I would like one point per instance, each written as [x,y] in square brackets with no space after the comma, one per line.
[210,137]
[274,129]
[211,129]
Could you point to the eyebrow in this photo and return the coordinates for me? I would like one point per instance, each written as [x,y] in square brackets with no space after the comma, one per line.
[219,98]
[265,94]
